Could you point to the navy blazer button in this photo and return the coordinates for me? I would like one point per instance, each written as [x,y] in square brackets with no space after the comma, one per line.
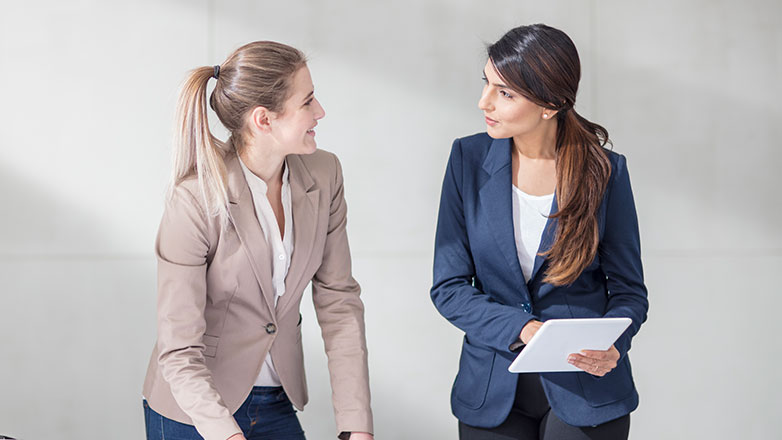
[527,307]
[271,328]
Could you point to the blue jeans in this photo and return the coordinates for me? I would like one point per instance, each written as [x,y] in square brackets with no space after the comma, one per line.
[267,414]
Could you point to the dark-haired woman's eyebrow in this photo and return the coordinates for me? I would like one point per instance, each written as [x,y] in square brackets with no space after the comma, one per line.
[498,85]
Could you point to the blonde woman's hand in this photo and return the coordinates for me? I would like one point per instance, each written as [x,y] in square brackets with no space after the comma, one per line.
[595,362]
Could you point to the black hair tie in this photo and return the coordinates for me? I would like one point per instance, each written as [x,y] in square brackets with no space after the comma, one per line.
[216,72]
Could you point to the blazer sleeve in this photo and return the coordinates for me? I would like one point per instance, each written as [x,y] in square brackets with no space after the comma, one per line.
[620,257]
[182,248]
[485,321]
[340,313]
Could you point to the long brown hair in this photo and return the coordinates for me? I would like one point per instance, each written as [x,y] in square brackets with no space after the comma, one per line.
[256,74]
[542,64]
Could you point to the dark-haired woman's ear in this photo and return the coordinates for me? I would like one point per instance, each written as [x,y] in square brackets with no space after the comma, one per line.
[548,113]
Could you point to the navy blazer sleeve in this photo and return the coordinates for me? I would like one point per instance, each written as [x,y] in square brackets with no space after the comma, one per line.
[485,321]
[620,257]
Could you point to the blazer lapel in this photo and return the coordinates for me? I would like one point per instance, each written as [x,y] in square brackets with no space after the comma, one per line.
[305,198]
[547,239]
[242,212]
[497,207]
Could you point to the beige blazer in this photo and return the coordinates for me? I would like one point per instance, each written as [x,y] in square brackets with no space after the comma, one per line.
[215,312]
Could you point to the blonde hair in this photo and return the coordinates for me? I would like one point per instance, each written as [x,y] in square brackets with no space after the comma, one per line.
[256,74]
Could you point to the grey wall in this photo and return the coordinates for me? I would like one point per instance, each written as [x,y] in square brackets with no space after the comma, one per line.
[689,91]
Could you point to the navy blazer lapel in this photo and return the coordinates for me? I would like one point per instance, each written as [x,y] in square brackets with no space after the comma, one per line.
[242,212]
[497,207]
[305,201]
[547,239]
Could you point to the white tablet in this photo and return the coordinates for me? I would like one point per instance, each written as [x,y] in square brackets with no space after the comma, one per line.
[557,338]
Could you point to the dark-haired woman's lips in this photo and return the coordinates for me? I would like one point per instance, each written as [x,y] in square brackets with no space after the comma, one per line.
[491,122]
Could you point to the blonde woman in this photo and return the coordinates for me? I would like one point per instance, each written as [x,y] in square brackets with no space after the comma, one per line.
[248,224]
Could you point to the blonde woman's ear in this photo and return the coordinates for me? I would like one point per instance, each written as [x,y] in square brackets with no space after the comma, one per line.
[260,119]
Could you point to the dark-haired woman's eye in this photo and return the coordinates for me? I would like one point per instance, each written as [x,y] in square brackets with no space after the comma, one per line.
[506,94]
[485,80]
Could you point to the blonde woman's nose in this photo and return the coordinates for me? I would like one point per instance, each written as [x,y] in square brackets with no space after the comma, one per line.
[319,113]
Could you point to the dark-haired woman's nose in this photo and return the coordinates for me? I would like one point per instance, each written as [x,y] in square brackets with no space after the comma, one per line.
[485,103]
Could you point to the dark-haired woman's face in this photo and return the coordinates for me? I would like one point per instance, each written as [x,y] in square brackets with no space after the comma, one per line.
[507,113]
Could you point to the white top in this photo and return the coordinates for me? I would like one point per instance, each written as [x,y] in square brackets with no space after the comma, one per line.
[530,214]
[280,249]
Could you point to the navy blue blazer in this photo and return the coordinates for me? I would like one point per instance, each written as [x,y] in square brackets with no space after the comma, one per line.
[479,287]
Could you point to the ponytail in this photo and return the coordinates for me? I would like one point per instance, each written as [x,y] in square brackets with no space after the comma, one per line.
[196,150]
[583,170]
[256,74]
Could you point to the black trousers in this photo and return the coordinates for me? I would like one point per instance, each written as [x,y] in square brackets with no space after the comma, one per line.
[532,419]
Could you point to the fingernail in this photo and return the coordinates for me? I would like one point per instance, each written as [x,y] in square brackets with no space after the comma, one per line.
[571,359]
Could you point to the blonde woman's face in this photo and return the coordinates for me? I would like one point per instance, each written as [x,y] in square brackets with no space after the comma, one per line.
[294,128]
[507,113]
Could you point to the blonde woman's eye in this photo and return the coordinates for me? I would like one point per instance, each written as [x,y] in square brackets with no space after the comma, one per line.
[309,101]
[485,80]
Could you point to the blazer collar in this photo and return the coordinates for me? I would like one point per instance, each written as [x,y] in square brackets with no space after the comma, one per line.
[237,184]
[547,239]
[304,207]
[498,156]
[242,213]
[495,195]
[497,207]
[305,203]
[235,180]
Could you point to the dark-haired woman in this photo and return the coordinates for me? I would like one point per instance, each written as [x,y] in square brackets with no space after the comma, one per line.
[537,221]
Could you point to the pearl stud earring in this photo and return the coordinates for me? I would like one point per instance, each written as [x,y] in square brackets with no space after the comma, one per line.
[545,115]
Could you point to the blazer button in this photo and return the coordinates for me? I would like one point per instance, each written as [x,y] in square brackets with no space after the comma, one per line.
[271,328]
[527,307]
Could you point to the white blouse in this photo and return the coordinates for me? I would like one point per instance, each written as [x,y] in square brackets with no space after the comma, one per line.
[530,214]
[280,249]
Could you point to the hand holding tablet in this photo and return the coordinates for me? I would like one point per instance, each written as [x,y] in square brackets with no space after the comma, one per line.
[556,339]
